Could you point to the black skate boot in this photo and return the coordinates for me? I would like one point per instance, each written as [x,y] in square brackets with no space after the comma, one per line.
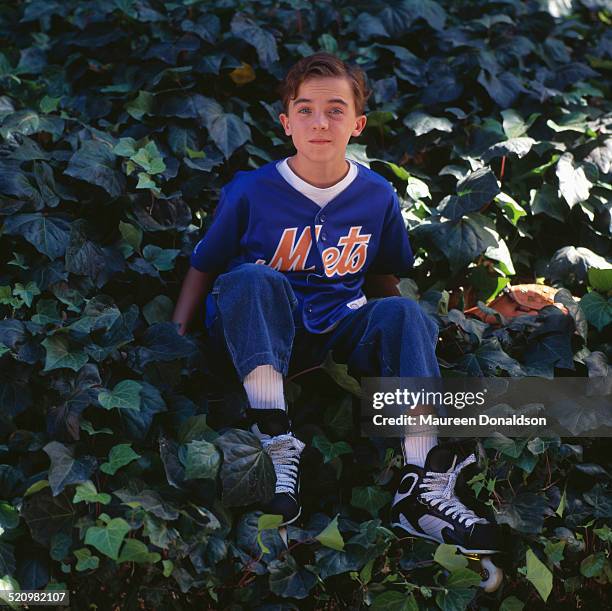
[426,505]
[273,428]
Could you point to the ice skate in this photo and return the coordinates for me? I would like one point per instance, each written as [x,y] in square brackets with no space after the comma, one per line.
[274,431]
[426,505]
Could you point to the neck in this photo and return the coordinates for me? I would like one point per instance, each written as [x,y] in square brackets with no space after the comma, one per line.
[321,175]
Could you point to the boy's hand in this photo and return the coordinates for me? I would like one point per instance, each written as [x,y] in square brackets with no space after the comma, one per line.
[195,287]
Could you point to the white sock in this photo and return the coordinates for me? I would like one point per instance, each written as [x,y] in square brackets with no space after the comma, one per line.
[264,388]
[417,448]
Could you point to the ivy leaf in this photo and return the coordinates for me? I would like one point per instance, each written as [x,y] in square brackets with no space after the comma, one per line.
[339,374]
[488,359]
[248,536]
[162,259]
[600,279]
[159,309]
[134,550]
[512,603]
[473,192]
[395,601]
[524,512]
[145,181]
[459,590]
[149,500]
[125,395]
[423,123]
[263,41]
[267,521]
[288,580]
[200,459]
[119,456]
[150,159]
[94,163]
[330,450]
[247,472]
[140,106]
[330,536]
[601,501]
[107,539]
[518,146]
[229,132]
[48,234]
[27,292]
[65,469]
[539,575]
[449,557]
[573,183]
[503,87]
[46,515]
[87,492]
[460,241]
[597,309]
[514,125]
[85,559]
[546,201]
[161,342]
[138,421]
[60,353]
[370,498]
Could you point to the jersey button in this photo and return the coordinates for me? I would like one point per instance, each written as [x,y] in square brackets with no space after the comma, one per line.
[309,309]
[322,218]
[324,237]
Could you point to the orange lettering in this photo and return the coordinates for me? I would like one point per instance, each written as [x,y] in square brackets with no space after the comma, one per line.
[290,256]
[351,258]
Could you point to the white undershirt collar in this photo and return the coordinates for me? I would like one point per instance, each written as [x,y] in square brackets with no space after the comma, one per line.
[318,195]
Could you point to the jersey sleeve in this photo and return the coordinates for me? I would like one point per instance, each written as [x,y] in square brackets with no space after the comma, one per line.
[221,242]
[394,254]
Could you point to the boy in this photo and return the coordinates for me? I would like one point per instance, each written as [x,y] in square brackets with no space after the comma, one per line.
[292,242]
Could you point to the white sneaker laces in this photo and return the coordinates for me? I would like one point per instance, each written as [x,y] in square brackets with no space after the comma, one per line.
[440,492]
[284,450]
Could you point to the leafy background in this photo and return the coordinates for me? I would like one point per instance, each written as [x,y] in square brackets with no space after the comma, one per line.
[124,474]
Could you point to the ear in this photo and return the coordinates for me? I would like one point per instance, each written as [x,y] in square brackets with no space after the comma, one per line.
[284,119]
[360,123]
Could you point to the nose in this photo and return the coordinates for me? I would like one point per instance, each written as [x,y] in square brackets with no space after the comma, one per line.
[320,120]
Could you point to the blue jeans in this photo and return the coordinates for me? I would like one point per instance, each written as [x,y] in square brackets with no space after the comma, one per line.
[257,323]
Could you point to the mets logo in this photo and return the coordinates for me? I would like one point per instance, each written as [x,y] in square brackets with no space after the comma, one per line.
[348,257]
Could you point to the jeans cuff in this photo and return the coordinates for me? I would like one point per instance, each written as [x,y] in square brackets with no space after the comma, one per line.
[279,362]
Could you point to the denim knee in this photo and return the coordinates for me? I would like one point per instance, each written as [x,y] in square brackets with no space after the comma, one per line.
[253,276]
[391,312]
[394,308]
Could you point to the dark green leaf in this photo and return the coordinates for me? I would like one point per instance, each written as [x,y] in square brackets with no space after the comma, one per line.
[95,163]
[65,469]
[288,580]
[247,473]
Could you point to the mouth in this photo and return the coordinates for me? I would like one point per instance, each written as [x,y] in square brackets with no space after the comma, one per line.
[319,141]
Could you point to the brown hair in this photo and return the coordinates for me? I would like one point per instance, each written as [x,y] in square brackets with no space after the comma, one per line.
[324,64]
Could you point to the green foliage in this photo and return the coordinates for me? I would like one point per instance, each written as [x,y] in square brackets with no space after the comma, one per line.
[119,124]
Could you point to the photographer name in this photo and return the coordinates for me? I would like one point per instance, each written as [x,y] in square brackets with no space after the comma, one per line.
[481,420]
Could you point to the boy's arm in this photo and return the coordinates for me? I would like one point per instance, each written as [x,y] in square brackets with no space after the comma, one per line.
[381,285]
[195,287]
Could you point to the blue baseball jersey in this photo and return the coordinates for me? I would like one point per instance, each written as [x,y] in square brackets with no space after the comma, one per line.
[324,252]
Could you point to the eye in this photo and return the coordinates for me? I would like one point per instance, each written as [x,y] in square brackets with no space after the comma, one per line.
[340,111]
[303,108]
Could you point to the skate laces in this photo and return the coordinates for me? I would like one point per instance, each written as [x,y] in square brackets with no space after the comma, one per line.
[284,450]
[441,487]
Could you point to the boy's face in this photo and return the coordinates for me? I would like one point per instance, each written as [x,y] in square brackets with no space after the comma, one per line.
[322,119]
